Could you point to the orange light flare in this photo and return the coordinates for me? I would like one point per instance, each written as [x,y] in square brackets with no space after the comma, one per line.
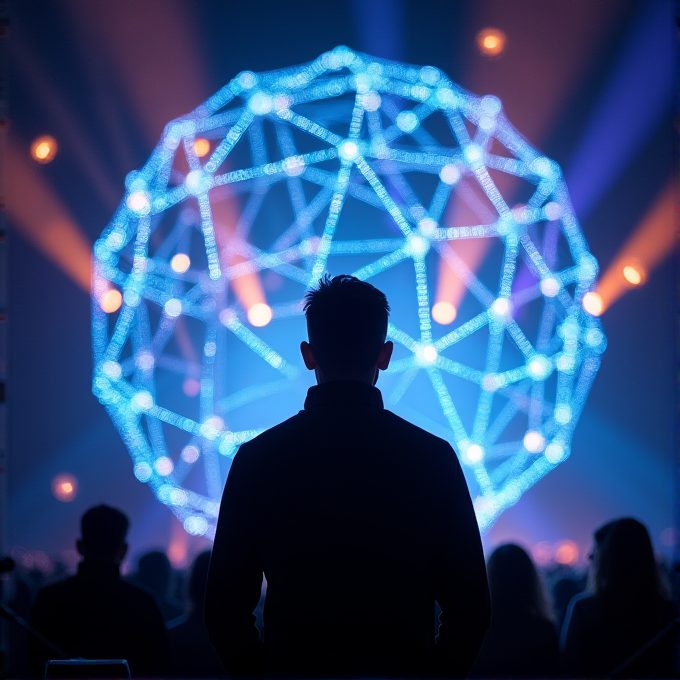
[44,149]
[65,487]
[201,147]
[650,244]
[450,288]
[247,287]
[111,300]
[40,217]
[491,41]
[566,552]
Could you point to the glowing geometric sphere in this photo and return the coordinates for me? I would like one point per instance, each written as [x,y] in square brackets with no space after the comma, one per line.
[347,164]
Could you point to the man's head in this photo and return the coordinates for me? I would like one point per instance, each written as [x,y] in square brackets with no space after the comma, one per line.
[103,530]
[347,326]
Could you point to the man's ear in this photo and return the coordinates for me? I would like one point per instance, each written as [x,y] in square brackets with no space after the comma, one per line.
[385,355]
[308,355]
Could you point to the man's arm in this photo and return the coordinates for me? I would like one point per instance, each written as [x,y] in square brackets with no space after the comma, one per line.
[235,579]
[461,586]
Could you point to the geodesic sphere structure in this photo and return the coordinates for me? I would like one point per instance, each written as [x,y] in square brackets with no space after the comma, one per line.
[347,164]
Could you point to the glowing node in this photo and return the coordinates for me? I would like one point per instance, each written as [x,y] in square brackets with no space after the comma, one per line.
[449,174]
[201,147]
[593,303]
[555,452]
[294,166]
[196,525]
[417,246]
[552,211]
[371,101]
[474,454]
[443,312]
[562,413]
[191,387]
[539,367]
[64,487]
[190,454]
[426,355]
[491,42]
[473,153]
[173,308]
[550,286]
[261,103]
[428,228]
[164,466]
[534,442]
[212,427]
[143,472]
[633,274]
[501,308]
[198,182]
[260,314]
[139,202]
[407,121]
[44,149]
[348,150]
[112,369]
[111,301]
[566,552]
[180,263]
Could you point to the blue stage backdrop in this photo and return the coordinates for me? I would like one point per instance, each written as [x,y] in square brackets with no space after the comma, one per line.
[346,164]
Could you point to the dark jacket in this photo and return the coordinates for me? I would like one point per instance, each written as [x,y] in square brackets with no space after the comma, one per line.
[97,615]
[359,521]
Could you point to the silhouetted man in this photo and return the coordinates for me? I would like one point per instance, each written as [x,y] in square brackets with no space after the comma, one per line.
[95,614]
[358,519]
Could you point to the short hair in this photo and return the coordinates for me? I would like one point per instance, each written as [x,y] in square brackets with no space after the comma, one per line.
[346,323]
[103,530]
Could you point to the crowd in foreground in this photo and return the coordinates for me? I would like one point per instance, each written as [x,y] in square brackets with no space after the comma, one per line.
[623,624]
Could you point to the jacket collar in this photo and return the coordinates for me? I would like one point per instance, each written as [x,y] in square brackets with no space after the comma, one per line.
[343,394]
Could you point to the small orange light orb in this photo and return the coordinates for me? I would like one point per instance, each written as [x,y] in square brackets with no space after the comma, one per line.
[202,147]
[44,149]
[260,314]
[566,552]
[111,300]
[180,263]
[593,303]
[443,312]
[64,487]
[491,42]
[634,274]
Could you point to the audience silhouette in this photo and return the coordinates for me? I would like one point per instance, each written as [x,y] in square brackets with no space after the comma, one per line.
[191,654]
[522,641]
[95,614]
[154,573]
[604,632]
[358,519]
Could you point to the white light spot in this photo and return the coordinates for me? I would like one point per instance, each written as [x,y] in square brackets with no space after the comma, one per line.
[173,307]
[210,348]
[491,105]
[180,263]
[550,286]
[565,363]
[539,367]
[555,452]
[552,211]
[144,360]
[501,308]
[164,466]
[449,174]
[294,166]
[260,314]
[372,101]
[190,453]
[444,312]
[247,80]
[112,369]
[348,150]
[417,246]
[143,472]
[534,442]
[139,202]
[474,454]
[594,337]
[407,121]
[212,427]
[427,227]
[142,401]
[195,525]
[473,153]
[426,355]
[260,103]
[562,413]
[197,182]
